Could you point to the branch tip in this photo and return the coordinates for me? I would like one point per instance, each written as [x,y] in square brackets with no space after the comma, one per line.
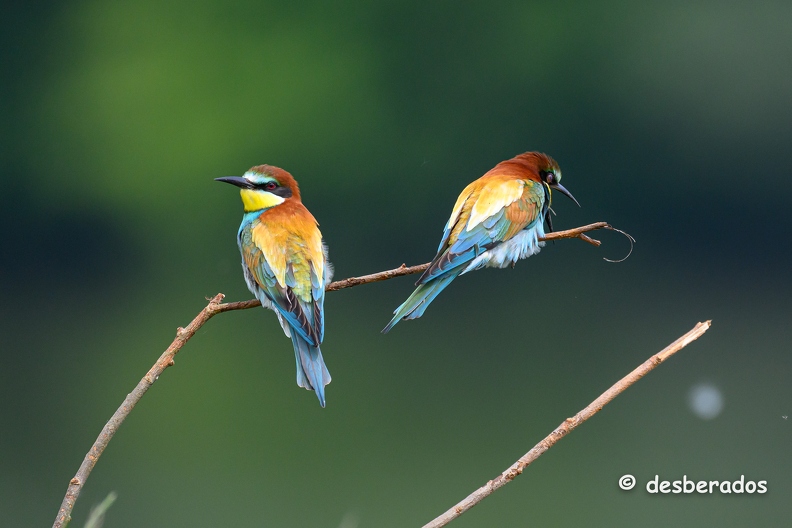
[566,427]
[593,241]
[217,299]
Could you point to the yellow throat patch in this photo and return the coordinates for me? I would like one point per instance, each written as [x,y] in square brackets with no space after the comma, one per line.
[255,200]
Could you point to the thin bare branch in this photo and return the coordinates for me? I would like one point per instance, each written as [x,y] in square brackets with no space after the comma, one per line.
[568,425]
[215,307]
[578,232]
[165,360]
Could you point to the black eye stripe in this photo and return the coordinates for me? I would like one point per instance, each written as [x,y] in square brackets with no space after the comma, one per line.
[283,192]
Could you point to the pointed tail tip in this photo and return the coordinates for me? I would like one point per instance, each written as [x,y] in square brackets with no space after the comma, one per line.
[390,325]
[321,395]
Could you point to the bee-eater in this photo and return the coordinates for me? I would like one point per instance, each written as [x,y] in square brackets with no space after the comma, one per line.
[285,264]
[497,220]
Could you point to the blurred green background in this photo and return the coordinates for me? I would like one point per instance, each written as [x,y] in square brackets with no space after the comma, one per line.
[671,120]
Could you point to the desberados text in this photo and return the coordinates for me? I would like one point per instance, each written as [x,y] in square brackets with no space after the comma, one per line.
[706,486]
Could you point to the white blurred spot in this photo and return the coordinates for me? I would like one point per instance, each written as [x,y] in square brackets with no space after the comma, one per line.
[705,400]
[350,520]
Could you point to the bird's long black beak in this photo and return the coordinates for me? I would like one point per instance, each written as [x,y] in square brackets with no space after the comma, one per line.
[239,181]
[560,188]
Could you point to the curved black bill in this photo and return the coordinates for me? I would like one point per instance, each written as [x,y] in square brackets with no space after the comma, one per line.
[239,181]
[560,188]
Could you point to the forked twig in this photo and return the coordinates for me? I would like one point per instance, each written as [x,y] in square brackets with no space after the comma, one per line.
[578,232]
[183,335]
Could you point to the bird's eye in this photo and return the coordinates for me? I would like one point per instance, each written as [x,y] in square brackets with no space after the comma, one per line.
[550,178]
[270,186]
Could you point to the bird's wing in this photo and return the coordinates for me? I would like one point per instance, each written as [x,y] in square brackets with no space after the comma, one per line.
[485,218]
[317,294]
[290,278]
[468,193]
[493,198]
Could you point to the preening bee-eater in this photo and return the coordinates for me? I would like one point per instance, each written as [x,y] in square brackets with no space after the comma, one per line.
[497,220]
[285,264]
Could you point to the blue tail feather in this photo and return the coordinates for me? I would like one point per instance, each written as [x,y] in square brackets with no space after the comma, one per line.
[312,373]
[438,287]
[424,294]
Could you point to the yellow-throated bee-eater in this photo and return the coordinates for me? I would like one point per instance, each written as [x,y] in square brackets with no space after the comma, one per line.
[497,220]
[285,264]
